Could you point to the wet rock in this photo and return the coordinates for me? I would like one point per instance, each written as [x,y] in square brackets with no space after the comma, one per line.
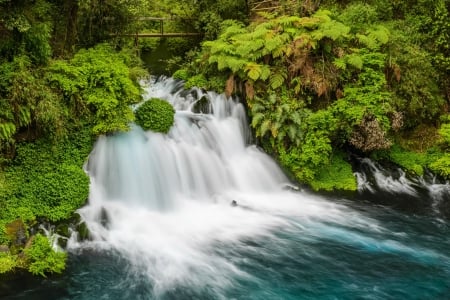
[202,106]
[63,230]
[17,233]
[62,242]
[104,218]
[83,231]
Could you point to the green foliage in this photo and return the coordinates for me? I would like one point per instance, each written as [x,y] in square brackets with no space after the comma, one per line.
[181,74]
[196,81]
[337,175]
[416,162]
[442,166]
[7,262]
[444,131]
[43,259]
[156,115]
[412,162]
[98,79]
[280,117]
[45,180]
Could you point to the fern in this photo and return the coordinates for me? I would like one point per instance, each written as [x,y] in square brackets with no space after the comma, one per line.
[354,60]
[257,118]
[277,80]
[253,70]
[7,131]
[265,127]
[24,116]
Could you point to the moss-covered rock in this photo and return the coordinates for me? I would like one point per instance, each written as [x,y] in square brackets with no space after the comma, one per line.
[338,175]
[156,115]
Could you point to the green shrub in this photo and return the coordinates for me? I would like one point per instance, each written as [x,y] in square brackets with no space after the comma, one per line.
[338,175]
[442,166]
[45,180]
[43,259]
[182,74]
[98,80]
[156,115]
[7,262]
[412,162]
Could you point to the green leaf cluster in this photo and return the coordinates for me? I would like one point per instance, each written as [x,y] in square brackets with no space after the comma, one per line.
[98,81]
[156,115]
[45,180]
[43,259]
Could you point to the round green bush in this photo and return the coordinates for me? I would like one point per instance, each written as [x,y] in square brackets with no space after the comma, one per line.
[156,115]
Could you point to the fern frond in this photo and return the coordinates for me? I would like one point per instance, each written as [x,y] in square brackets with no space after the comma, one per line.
[265,72]
[256,119]
[276,80]
[354,60]
[7,130]
[265,127]
[253,70]
[340,63]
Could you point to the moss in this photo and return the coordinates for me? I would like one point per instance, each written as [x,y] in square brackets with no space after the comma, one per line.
[415,163]
[337,175]
[182,74]
[43,259]
[7,262]
[441,166]
[156,115]
[83,231]
[412,162]
[197,81]
[45,181]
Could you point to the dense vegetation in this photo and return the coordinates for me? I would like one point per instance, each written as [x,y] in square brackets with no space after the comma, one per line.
[156,115]
[322,80]
[369,78]
[55,97]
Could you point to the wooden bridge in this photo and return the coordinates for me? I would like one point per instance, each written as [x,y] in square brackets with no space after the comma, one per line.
[256,6]
[161,33]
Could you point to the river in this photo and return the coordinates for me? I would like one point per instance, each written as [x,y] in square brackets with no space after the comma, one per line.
[202,213]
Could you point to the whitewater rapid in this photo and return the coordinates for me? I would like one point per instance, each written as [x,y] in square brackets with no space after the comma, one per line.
[163,202]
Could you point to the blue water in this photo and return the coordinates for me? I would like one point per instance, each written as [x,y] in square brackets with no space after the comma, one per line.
[407,258]
[390,241]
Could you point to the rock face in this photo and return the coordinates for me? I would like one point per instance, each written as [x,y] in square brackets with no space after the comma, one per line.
[17,233]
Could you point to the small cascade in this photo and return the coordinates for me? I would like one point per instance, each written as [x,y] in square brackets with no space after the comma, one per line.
[396,185]
[53,237]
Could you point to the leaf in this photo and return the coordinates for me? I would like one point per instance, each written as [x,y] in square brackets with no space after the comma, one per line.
[256,119]
[253,71]
[355,60]
[265,126]
[276,80]
[340,63]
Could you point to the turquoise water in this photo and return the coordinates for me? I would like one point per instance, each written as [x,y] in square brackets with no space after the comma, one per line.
[162,226]
[408,258]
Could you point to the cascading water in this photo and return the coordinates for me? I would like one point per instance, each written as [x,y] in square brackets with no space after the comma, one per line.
[163,226]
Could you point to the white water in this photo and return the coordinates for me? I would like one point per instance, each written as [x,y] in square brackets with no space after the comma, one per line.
[163,201]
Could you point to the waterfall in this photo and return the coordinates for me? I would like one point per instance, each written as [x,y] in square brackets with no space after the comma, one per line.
[204,156]
[163,204]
